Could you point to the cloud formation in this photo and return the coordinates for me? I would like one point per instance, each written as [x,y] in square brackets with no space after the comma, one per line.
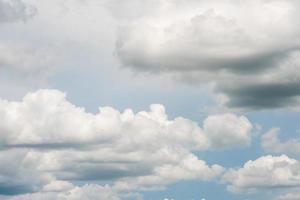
[47,139]
[87,192]
[27,60]
[289,196]
[249,50]
[15,10]
[55,35]
[20,56]
[266,172]
[271,143]
[31,122]
[52,149]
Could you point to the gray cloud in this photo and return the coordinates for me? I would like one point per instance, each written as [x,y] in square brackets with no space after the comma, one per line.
[262,95]
[87,192]
[245,50]
[14,189]
[15,10]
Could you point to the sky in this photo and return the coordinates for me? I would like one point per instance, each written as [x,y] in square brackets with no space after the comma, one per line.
[149,100]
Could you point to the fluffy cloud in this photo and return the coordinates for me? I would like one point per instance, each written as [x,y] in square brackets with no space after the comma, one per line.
[15,10]
[235,132]
[271,143]
[249,50]
[49,141]
[189,168]
[47,118]
[16,176]
[266,172]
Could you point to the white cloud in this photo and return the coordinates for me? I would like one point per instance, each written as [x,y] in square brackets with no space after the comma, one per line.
[31,122]
[271,143]
[267,172]
[246,49]
[46,136]
[189,168]
[235,132]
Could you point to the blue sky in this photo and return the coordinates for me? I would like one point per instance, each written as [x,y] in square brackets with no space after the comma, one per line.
[195,100]
[149,100]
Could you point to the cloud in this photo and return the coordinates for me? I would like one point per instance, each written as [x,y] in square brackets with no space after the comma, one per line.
[249,51]
[267,172]
[21,59]
[30,123]
[235,132]
[21,55]
[15,10]
[289,196]
[88,192]
[190,168]
[47,140]
[53,37]
[271,143]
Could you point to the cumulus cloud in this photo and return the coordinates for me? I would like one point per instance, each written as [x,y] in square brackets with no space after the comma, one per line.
[190,168]
[15,10]
[49,142]
[235,132]
[271,143]
[267,172]
[249,50]
[17,176]
[31,122]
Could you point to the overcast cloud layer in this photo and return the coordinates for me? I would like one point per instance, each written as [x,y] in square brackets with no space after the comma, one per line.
[15,10]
